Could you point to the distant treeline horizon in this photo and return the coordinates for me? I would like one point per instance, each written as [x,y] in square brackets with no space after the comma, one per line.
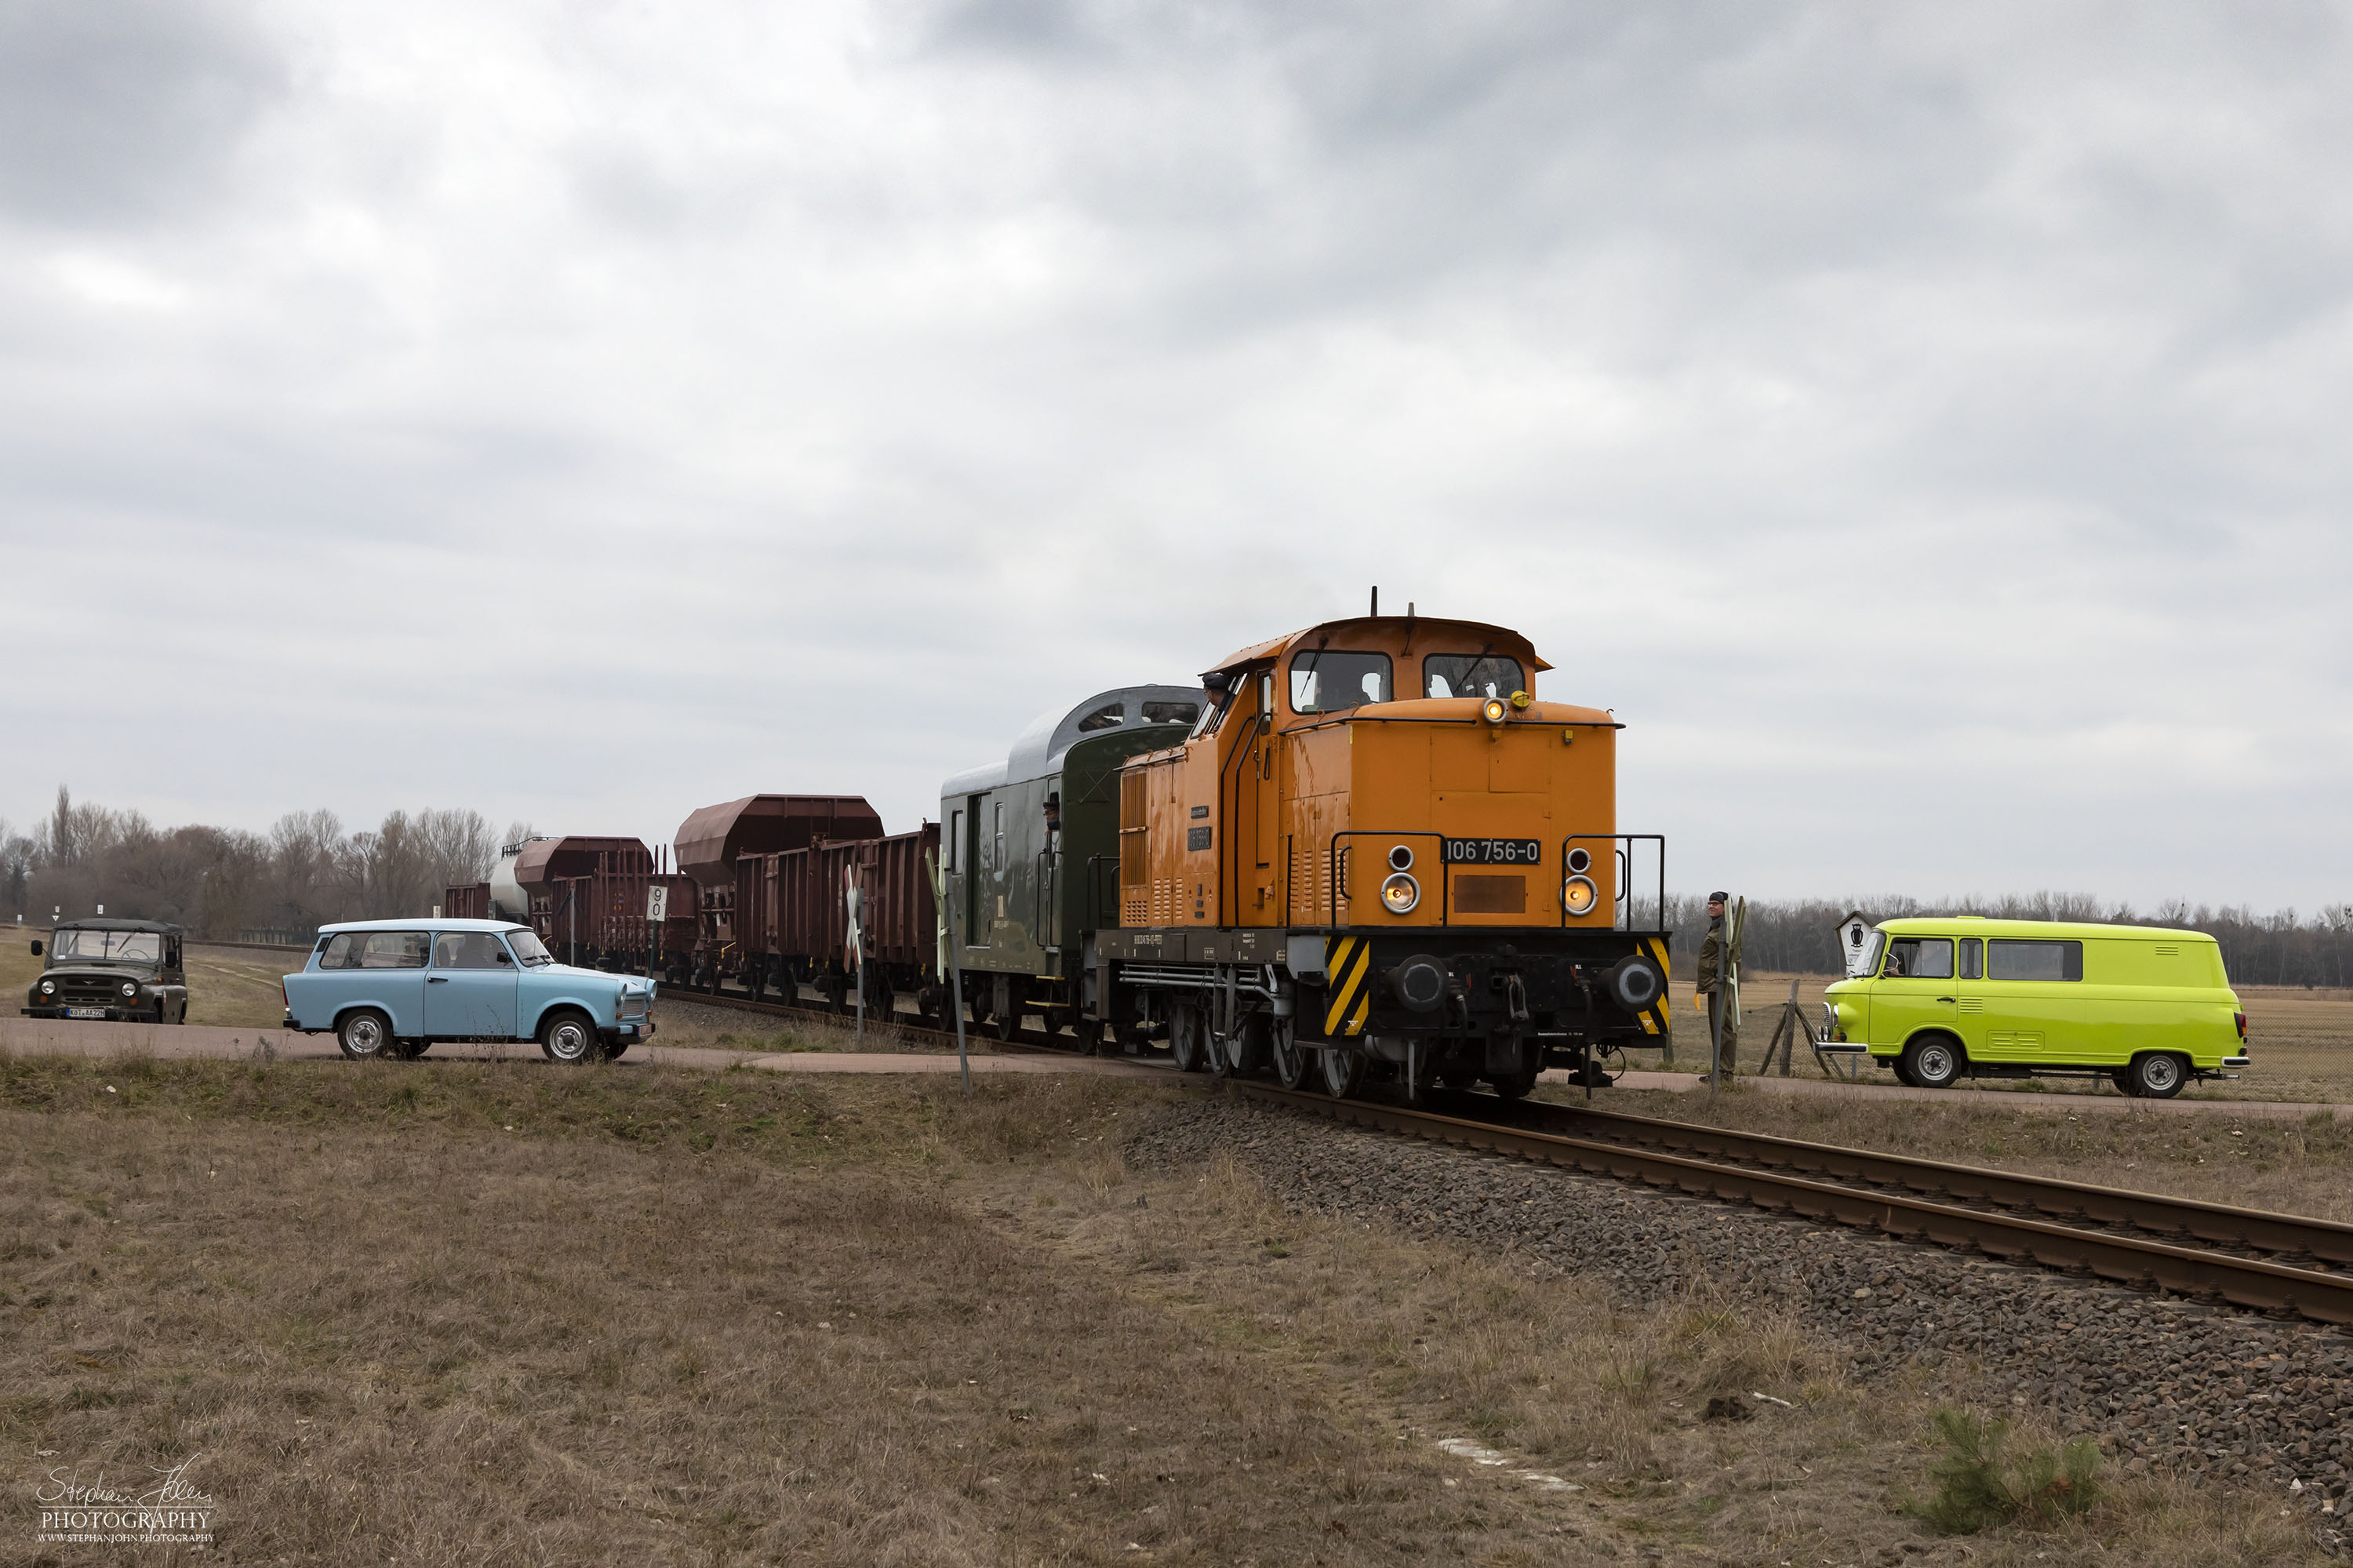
[224,883]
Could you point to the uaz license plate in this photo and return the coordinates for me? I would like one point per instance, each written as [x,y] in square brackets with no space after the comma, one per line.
[1493,851]
[85,1012]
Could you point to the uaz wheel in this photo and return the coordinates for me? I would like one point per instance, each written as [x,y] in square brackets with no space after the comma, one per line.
[568,1037]
[2157,1075]
[364,1035]
[1934,1061]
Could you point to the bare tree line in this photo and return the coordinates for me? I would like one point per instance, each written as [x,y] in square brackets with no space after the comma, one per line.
[2284,948]
[223,883]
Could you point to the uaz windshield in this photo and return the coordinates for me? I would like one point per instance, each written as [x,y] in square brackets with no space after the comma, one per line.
[120,946]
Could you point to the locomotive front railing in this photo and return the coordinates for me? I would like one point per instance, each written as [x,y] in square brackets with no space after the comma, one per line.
[1626,911]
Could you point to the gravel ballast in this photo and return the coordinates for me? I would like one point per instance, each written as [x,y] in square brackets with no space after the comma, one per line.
[2161,1381]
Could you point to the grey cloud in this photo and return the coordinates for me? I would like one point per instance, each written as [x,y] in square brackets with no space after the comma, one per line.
[116,111]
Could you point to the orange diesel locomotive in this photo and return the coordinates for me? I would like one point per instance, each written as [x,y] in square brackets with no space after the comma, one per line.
[1374,851]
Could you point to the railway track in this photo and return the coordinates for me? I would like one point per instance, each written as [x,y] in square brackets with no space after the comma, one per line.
[2279,1264]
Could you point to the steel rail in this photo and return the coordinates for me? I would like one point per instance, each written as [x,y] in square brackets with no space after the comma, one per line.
[2127,1260]
[2292,1236]
[1850,1186]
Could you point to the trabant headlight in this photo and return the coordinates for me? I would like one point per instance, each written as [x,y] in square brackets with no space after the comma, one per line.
[1399,894]
[1579,895]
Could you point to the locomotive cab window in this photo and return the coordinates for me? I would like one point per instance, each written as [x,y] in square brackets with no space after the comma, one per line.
[1331,680]
[1469,675]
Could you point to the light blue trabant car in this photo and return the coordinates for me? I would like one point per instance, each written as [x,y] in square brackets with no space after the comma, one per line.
[392,988]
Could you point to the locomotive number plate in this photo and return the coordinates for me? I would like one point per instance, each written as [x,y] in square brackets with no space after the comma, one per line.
[1493,851]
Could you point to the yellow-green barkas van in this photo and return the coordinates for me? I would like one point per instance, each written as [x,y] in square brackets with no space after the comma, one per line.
[1939,999]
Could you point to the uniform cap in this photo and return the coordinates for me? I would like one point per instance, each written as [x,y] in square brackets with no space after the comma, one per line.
[1719,898]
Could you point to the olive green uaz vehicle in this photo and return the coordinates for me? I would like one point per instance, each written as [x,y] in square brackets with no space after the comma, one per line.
[118,970]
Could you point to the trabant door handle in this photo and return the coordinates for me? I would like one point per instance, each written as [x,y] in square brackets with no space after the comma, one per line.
[444,979]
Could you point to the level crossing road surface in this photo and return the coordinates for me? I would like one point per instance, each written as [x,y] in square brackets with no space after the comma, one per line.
[63,1037]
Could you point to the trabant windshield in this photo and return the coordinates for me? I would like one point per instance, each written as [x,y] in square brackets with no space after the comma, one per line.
[1470,675]
[529,948]
[119,946]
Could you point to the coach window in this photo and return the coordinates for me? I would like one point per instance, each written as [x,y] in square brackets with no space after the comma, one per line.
[1920,958]
[997,836]
[1469,675]
[2016,960]
[1111,715]
[1333,679]
[956,843]
[1171,712]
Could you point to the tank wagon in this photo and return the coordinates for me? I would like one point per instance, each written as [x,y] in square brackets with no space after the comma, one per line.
[713,840]
[1374,851]
[1033,848]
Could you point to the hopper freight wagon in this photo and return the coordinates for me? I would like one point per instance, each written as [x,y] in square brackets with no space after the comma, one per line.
[714,838]
[792,922]
[585,897]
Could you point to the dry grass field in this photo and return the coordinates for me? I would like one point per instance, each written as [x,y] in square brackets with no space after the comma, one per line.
[455,1312]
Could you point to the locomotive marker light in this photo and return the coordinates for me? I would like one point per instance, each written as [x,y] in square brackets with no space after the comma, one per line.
[1400,893]
[1402,858]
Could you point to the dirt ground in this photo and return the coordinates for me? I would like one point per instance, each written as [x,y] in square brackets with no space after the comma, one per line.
[505,1313]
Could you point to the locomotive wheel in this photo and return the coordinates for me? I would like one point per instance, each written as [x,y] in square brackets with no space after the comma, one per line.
[1242,1054]
[1186,1038]
[1292,1060]
[1008,1026]
[1344,1073]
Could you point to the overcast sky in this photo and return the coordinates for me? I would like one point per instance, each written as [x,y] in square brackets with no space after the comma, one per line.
[1924,426]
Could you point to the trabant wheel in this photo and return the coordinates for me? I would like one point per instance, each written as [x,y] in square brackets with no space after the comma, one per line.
[1934,1061]
[365,1035]
[1344,1073]
[1292,1060]
[568,1037]
[1187,1039]
[2157,1075]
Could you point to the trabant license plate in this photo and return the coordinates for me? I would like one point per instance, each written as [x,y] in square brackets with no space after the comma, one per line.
[85,1012]
[1495,852]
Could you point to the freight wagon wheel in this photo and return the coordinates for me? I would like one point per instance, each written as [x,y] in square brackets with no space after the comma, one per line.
[1186,1038]
[1934,1061]
[1008,1026]
[1516,1086]
[1344,1073]
[568,1037]
[364,1035]
[2159,1076]
[1292,1060]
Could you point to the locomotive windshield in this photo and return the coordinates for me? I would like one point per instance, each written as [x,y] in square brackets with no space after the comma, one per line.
[1470,675]
[1328,680]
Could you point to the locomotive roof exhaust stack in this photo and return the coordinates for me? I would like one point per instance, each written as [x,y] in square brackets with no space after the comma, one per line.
[1377,600]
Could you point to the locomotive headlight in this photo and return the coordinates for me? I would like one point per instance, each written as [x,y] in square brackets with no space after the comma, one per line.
[1579,895]
[1495,710]
[1399,894]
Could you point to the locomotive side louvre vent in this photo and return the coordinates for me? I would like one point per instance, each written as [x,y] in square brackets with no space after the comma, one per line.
[1475,894]
[1197,837]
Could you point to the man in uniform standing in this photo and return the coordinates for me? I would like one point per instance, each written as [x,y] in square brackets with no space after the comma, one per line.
[1708,976]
